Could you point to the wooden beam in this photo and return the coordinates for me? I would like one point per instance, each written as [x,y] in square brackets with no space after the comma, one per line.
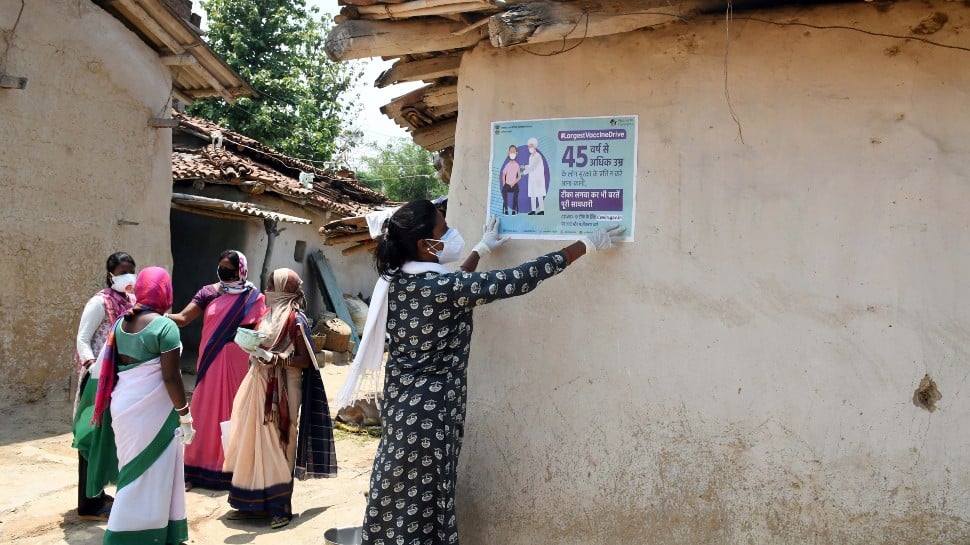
[366,2]
[385,11]
[149,23]
[354,221]
[346,239]
[547,21]
[212,81]
[357,39]
[163,123]
[357,248]
[473,26]
[413,5]
[436,137]
[423,70]
[178,60]
[393,108]
[440,95]
[444,109]
[182,97]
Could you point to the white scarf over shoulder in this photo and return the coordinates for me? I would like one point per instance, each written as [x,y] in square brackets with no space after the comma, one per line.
[370,352]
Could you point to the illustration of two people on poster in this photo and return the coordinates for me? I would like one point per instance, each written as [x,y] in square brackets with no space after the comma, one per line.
[533,172]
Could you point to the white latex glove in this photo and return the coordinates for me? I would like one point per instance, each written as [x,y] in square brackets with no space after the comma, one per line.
[601,239]
[185,432]
[490,240]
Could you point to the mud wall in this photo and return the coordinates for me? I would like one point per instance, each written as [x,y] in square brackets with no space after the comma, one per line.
[745,371]
[82,174]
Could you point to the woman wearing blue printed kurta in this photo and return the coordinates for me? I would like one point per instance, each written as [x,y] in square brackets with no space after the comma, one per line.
[141,411]
[427,310]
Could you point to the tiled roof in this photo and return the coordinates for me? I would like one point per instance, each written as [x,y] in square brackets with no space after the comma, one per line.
[255,168]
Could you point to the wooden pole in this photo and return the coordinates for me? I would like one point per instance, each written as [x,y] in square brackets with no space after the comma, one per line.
[357,39]
[272,231]
[423,70]
[413,5]
[451,9]
[547,21]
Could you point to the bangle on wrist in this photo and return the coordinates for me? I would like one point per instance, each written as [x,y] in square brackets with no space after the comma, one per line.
[183,408]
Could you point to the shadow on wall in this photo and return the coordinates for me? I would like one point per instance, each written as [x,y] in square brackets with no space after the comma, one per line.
[197,241]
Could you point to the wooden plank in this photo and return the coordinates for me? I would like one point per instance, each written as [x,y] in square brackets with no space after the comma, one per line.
[332,293]
[414,5]
[146,20]
[443,11]
[357,39]
[354,221]
[542,21]
[393,108]
[178,60]
[211,80]
[436,137]
[444,109]
[366,2]
[346,239]
[182,97]
[423,70]
[163,123]
[473,26]
[362,247]
[440,95]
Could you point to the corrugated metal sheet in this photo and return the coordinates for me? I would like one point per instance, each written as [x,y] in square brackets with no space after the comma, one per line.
[232,208]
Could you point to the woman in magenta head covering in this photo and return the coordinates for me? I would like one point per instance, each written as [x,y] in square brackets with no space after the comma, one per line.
[142,420]
[230,303]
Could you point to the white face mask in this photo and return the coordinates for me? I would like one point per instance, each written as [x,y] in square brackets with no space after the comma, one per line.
[123,283]
[451,243]
[512,156]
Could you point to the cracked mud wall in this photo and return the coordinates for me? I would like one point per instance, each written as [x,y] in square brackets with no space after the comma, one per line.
[745,371]
[79,168]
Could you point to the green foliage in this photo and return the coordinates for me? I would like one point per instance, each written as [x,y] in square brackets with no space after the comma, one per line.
[403,171]
[277,47]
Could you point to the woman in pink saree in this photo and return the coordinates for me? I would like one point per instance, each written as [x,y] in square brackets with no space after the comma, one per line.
[231,303]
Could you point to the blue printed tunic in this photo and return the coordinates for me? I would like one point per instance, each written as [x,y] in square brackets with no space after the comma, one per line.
[412,487]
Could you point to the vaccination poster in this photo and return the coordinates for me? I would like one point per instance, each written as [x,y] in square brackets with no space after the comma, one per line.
[561,178]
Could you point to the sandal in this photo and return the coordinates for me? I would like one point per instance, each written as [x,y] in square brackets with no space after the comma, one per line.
[236,514]
[100,516]
[279,522]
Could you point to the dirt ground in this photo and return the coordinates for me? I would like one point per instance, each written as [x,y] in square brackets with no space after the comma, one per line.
[38,486]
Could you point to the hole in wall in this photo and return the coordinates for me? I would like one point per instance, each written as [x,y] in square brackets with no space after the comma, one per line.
[927,394]
[299,251]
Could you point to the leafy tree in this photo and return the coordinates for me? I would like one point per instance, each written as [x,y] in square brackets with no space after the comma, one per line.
[277,47]
[403,171]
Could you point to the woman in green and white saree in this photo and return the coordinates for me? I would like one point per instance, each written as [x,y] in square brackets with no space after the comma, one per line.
[141,411]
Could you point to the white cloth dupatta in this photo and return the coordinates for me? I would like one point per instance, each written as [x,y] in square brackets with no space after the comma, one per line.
[370,351]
